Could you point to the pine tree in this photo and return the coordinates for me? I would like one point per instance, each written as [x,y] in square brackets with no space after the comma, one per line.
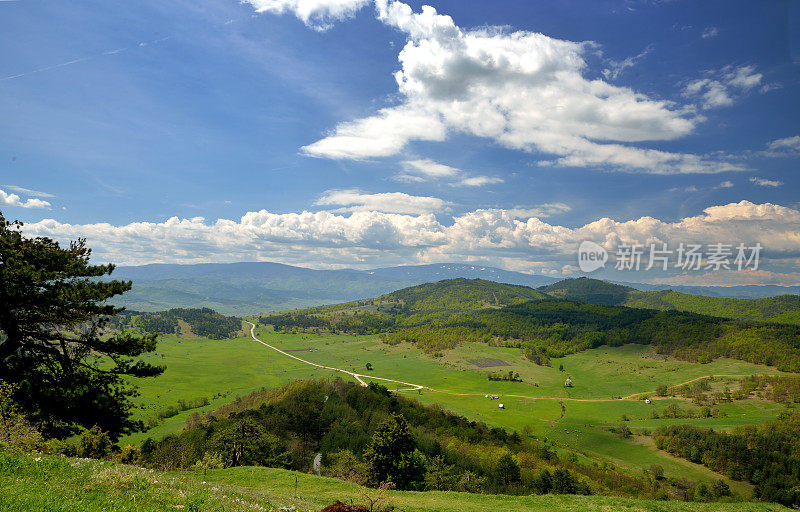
[53,347]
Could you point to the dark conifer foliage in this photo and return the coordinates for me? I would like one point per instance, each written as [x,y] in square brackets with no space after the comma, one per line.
[53,346]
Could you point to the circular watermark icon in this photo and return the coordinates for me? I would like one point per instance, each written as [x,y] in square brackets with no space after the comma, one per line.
[591,256]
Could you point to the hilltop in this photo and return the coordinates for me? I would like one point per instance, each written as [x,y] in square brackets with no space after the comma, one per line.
[593,291]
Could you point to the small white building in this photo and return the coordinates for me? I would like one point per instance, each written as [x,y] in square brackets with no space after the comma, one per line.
[500,406]
[647,400]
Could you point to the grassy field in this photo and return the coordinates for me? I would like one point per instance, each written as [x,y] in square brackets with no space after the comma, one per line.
[221,370]
[60,484]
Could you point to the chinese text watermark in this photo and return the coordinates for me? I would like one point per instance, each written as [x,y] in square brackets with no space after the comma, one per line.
[686,256]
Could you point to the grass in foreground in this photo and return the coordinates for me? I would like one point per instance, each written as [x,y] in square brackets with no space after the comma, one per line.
[56,483]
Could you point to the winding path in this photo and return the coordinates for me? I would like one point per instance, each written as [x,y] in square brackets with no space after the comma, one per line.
[357,376]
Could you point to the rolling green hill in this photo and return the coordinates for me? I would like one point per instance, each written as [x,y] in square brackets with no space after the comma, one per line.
[779,309]
[460,294]
[588,290]
[441,315]
[256,287]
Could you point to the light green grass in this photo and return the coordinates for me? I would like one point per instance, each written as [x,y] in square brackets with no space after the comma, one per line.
[60,484]
[203,368]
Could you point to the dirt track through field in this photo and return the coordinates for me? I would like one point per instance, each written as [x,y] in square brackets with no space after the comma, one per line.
[357,376]
[417,387]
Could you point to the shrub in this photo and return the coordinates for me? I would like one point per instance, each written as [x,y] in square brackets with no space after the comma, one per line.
[130,454]
[95,443]
[338,506]
[15,431]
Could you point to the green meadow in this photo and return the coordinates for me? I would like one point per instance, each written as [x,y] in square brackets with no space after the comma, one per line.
[59,484]
[576,419]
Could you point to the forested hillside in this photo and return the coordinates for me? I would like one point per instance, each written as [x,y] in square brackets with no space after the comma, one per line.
[767,456]
[779,309]
[203,322]
[366,435]
[588,290]
[441,315]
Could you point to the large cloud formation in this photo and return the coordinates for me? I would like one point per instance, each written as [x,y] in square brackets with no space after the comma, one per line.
[505,238]
[523,90]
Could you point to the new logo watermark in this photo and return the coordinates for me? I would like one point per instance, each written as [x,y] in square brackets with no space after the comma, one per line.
[591,256]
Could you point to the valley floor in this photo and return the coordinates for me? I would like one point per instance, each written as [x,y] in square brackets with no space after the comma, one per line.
[577,419]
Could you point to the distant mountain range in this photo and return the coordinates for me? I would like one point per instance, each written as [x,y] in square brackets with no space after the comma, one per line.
[248,288]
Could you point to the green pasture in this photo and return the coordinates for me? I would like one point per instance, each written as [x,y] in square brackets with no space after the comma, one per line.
[222,370]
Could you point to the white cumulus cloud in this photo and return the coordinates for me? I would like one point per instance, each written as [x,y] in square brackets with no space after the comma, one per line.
[522,89]
[390,202]
[317,14]
[7,199]
[507,238]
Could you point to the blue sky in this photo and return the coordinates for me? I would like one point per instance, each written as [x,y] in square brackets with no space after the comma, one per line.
[119,116]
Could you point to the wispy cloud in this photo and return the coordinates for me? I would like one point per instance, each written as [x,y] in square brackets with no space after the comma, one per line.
[786,147]
[477,181]
[353,200]
[28,192]
[114,51]
[617,67]
[721,88]
[430,169]
[418,171]
[766,183]
[710,32]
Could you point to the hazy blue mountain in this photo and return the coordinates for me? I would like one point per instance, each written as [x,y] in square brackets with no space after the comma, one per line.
[441,271]
[752,291]
[247,288]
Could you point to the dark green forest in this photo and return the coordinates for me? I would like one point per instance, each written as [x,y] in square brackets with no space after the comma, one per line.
[202,322]
[767,456]
[779,309]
